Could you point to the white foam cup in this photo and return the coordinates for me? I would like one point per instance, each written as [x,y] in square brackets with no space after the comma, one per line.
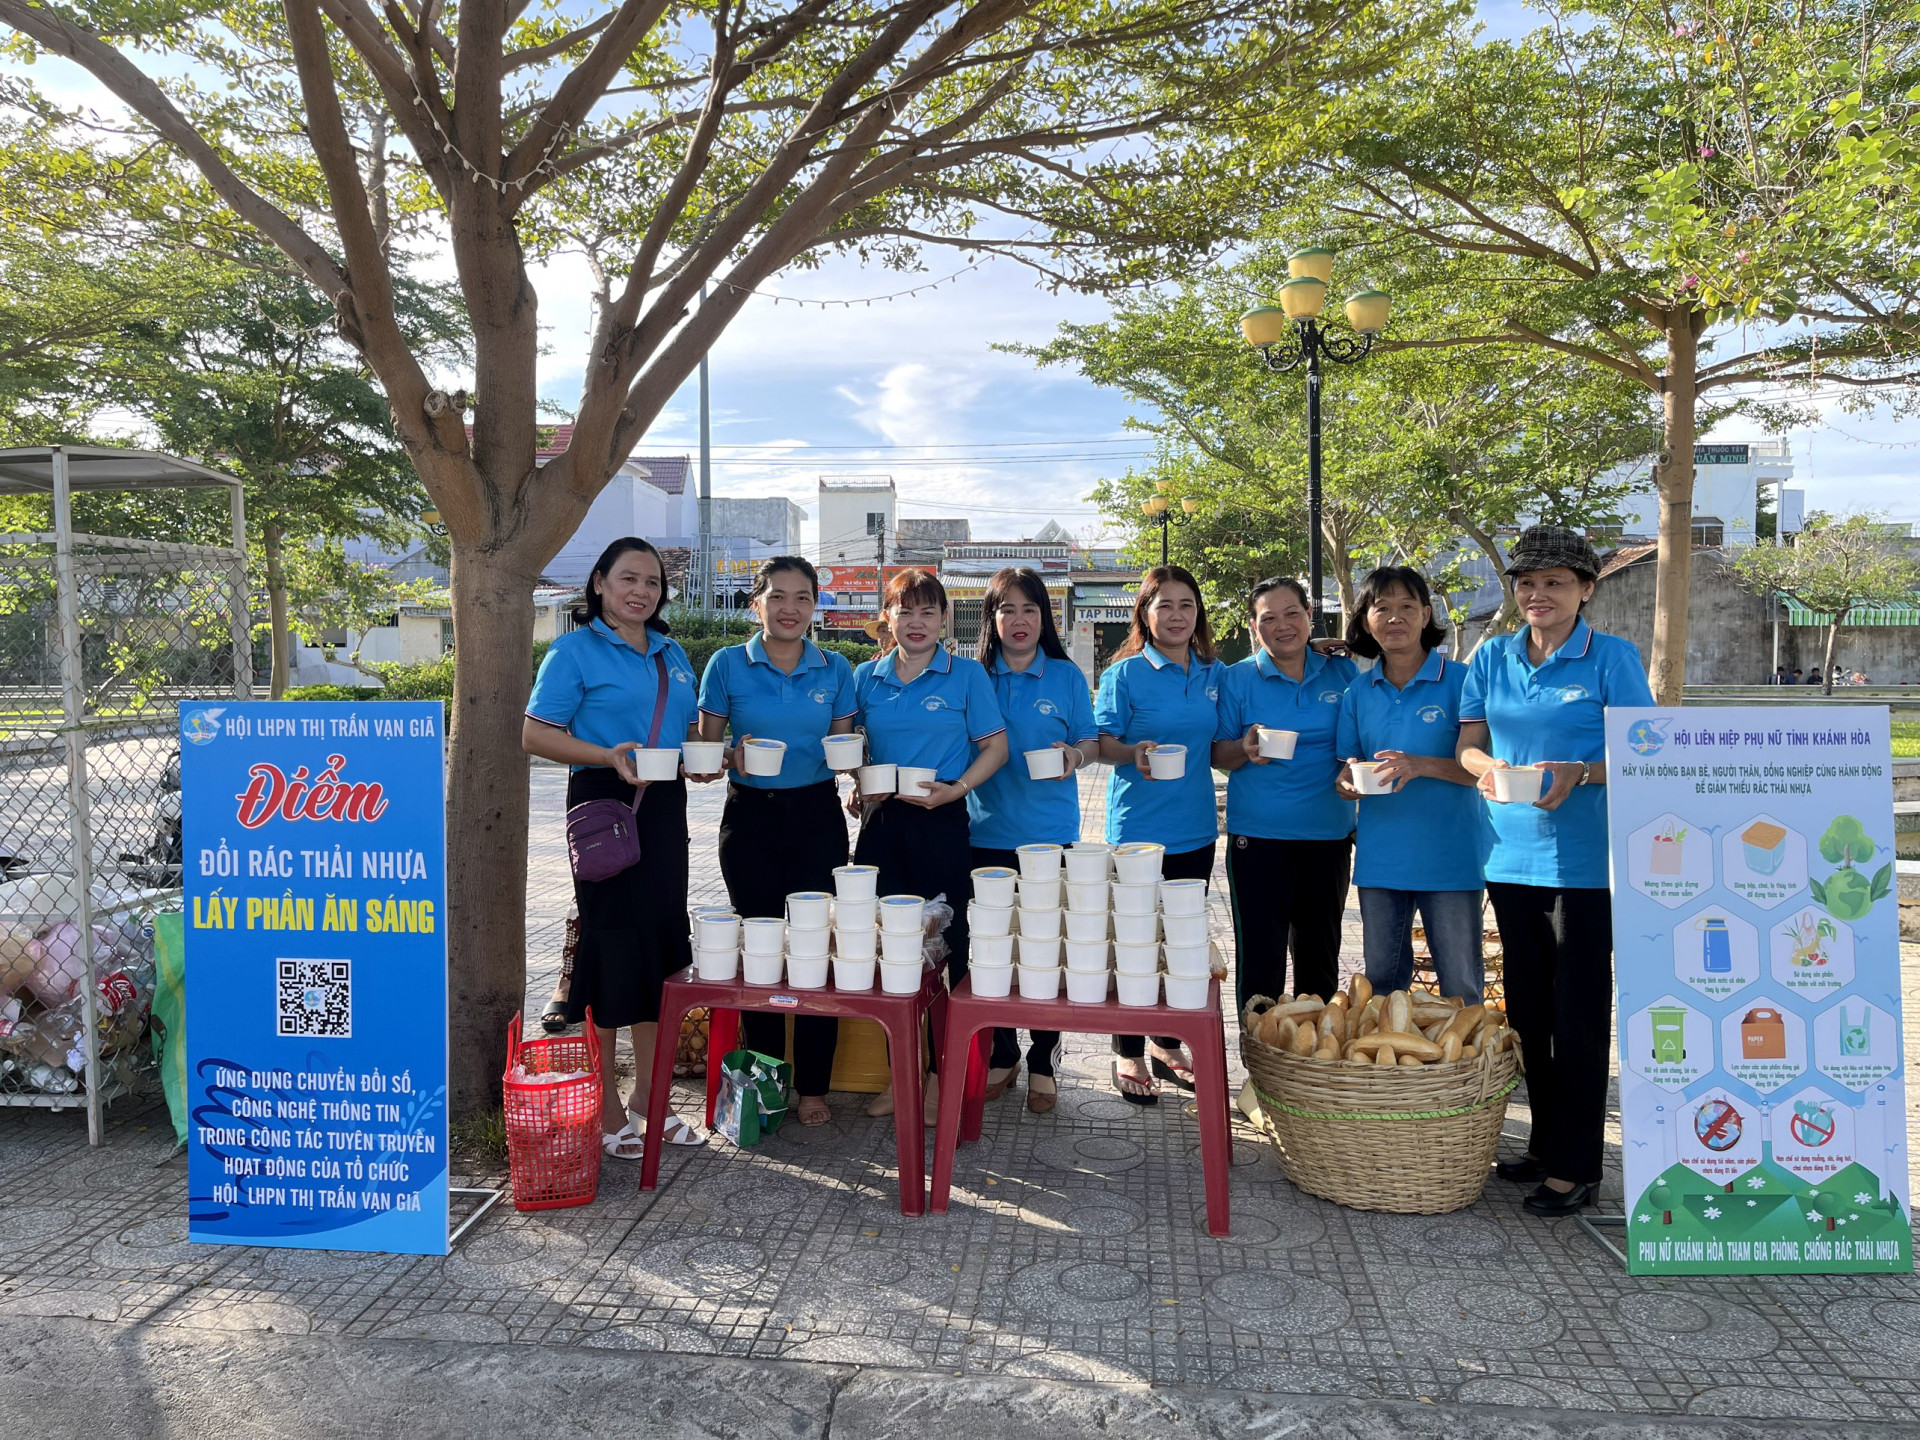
[1138,989]
[1519,784]
[898,949]
[1087,955]
[902,914]
[1366,778]
[763,936]
[1040,861]
[1187,992]
[1087,924]
[1088,862]
[1048,764]
[1184,929]
[1135,959]
[716,964]
[704,757]
[983,920]
[1039,982]
[1138,863]
[716,931]
[1134,899]
[855,882]
[657,764]
[991,982]
[852,972]
[844,752]
[914,779]
[761,969]
[1040,894]
[993,885]
[901,978]
[990,950]
[856,914]
[1039,924]
[1190,959]
[854,944]
[1136,929]
[809,909]
[1087,987]
[1038,950]
[808,943]
[1183,897]
[807,972]
[877,780]
[1167,762]
[1277,744]
[764,757]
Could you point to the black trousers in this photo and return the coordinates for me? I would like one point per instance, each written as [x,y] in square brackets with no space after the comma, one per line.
[633,926]
[772,843]
[1287,897]
[1559,971]
[927,853]
[1043,1046]
[1187,865]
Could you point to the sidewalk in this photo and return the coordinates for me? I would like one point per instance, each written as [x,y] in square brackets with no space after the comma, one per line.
[1075,1251]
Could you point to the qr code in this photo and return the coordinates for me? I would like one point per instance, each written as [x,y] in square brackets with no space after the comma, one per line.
[315,998]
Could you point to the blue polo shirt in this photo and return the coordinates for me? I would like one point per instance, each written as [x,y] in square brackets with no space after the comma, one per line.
[933,720]
[1047,701]
[1148,697]
[1556,711]
[756,697]
[1287,799]
[1429,834]
[599,689]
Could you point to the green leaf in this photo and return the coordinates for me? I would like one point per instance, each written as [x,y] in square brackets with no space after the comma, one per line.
[1883,881]
[1818,891]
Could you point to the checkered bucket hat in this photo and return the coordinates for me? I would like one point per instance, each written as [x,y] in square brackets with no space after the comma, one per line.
[1550,547]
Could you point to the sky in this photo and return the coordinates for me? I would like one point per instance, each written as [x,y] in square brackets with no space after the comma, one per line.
[913,388]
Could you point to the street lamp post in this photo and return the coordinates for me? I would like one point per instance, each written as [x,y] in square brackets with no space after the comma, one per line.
[1159,511]
[1265,327]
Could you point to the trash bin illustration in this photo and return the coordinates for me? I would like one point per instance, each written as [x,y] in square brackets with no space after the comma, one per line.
[1669,1034]
[1716,945]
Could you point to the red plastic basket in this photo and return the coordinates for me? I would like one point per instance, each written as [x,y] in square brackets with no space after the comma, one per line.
[553,1130]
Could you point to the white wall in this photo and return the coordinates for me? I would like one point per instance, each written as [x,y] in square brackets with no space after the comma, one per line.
[628,506]
[843,524]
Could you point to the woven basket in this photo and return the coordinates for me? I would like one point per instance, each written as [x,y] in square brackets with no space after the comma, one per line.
[1411,1140]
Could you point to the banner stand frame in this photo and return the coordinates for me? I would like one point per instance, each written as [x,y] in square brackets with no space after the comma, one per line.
[494,1197]
[1592,1225]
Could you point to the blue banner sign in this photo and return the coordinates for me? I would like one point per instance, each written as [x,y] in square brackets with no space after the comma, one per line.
[315,857]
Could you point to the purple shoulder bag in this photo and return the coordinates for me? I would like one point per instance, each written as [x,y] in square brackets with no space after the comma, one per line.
[603,837]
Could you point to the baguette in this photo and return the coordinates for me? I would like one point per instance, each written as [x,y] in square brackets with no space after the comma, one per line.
[1283,1035]
[1333,1022]
[1399,1014]
[1359,991]
[1426,1011]
[1297,1008]
[1402,1042]
[1329,1049]
[1450,1047]
[1385,1056]
[1303,1041]
[1463,1023]
[1469,1052]
[1411,1060]
[1432,1032]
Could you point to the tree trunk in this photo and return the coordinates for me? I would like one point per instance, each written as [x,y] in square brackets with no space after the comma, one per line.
[1508,615]
[1673,480]
[272,540]
[487,811]
[1833,636]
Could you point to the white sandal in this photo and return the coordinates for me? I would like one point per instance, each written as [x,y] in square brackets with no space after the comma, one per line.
[616,1143]
[675,1129]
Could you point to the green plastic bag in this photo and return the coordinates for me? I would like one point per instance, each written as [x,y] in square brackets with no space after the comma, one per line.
[169,1028]
[752,1100]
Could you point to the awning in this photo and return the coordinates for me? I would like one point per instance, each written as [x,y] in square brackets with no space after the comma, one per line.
[1883,616]
[29,470]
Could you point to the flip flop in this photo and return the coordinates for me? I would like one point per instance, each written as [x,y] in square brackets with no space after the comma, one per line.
[1144,1093]
[1178,1075]
[675,1129]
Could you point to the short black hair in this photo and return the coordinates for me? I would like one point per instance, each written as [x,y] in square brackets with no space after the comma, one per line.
[603,567]
[1373,585]
[1278,582]
[763,578]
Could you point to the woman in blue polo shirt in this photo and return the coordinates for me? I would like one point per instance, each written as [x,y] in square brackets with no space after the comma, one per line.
[617,684]
[1161,689]
[1289,832]
[921,705]
[782,833]
[1043,698]
[1539,697]
[1420,847]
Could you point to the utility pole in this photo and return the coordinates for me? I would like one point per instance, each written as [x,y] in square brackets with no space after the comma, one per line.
[706,485]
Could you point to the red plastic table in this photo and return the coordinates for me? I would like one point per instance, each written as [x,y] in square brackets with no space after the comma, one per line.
[902,1016]
[971,1020]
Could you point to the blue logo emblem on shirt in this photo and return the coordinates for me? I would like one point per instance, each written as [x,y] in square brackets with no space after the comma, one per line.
[1433,714]
[1571,693]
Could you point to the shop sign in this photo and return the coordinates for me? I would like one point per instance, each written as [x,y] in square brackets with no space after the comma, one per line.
[315,859]
[1757,953]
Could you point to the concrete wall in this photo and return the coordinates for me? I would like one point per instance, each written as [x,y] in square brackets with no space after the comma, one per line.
[1730,629]
[773,521]
[843,523]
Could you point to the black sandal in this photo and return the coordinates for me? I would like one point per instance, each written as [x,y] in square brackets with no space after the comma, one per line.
[553,1019]
[1172,1074]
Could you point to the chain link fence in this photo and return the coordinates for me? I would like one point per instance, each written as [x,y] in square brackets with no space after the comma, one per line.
[101,639]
